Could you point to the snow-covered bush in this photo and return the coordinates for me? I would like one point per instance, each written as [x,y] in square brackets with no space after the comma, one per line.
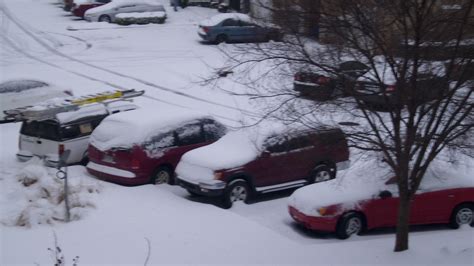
[36,196]
[140,18]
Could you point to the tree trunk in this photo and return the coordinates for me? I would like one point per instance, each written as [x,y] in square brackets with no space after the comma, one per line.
[401,242]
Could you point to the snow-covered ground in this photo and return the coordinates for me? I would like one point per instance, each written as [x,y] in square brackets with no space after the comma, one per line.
[40,41]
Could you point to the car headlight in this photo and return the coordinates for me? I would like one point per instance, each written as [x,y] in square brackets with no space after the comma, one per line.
[322,211]
[218,175]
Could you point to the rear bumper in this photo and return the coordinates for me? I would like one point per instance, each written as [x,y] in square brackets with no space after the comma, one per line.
[205,37]
[214,188]
[116,175]
[325,224]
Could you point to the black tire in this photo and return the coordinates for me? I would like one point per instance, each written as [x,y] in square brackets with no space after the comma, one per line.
[462,214]
[105,18]
[238,190]
[84,161]
[322,173]
[349,224]
[221,38]
[162,175]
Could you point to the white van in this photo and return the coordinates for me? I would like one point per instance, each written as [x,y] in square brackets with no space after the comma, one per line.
[47,139]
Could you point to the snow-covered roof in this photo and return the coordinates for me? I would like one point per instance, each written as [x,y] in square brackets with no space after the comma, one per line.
[117,3]
[159,14]
[236,148]
[212,21]
[134,127]
[94,110]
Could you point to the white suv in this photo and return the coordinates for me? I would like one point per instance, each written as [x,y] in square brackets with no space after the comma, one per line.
[47,139]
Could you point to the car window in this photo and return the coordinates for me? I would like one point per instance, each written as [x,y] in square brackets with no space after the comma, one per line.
[76,130]
[213,130]
[230,23]
[159,142]
[247,24]
[330,137]
[103,1]
[189,135]
[44,129]
[276,144]
[299,142]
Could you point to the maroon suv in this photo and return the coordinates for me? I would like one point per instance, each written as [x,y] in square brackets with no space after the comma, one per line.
[139,148]
[258,161]
[78,9]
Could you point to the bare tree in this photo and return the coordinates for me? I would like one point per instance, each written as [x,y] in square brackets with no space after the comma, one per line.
[421,47]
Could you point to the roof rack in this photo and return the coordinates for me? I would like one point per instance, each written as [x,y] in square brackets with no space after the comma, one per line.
[49,110]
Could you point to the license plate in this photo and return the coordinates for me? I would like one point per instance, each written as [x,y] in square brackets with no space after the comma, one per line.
[108,159]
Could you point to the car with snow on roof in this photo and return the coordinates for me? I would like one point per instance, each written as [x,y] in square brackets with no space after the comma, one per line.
[69,130]
[108,12]
[349,211]
[144,146]
[80,7]
[27,92]
[236,27]
[263,159]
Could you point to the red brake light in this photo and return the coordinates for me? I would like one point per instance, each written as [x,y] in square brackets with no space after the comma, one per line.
[205,29]
[322,80]
[390,88]
[61,149]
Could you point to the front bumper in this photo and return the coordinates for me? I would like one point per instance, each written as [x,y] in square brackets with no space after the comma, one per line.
[324,224]
[211,188]
[115,175]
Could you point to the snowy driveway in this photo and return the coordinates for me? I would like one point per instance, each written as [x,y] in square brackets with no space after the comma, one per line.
[40,41]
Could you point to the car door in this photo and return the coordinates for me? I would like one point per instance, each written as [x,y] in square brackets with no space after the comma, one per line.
[272,163]
[382,211]
[431,206]
[299,159]
[231,28]
[125,8]
[250,32]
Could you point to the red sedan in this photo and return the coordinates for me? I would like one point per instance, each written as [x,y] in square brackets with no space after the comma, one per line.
[81,7]
[453,206]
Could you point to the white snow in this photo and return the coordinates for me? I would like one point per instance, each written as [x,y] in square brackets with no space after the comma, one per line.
[168,61]
[158,14]
[116,3]
[213,21]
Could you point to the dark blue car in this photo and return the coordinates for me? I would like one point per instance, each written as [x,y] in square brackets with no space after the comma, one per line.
[235,27]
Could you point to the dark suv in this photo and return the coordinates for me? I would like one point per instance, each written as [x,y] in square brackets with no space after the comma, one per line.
[246,162]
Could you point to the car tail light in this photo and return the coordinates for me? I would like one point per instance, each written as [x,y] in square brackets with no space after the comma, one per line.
[135,163]
[390,88]
[205,29]
[61,149]
[322,80]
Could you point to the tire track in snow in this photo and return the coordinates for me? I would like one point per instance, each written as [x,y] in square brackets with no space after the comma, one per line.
[144,82]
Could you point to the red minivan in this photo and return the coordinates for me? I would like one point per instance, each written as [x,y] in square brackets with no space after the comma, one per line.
[141,147]
[252,161]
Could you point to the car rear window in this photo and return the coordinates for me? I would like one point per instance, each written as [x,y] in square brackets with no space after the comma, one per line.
[41,129]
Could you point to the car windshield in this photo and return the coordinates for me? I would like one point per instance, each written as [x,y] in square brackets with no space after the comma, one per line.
[41,129]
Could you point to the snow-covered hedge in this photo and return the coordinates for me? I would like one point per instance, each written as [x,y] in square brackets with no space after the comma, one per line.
[140,18]
[34,195]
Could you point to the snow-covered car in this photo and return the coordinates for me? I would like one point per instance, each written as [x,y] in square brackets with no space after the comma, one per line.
[136,148]
[107,12]
[81,6]
[48,139]
[330,208]
[236,27]
[263,159]
[319,85]
[20,93]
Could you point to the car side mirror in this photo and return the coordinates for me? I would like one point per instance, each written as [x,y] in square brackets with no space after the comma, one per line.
[385,194]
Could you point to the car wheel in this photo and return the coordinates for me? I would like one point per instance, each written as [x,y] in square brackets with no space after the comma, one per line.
[349,224]
[462,214]
[237,191]
[163,175]
[322,173]
[221,38]
[105,18]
